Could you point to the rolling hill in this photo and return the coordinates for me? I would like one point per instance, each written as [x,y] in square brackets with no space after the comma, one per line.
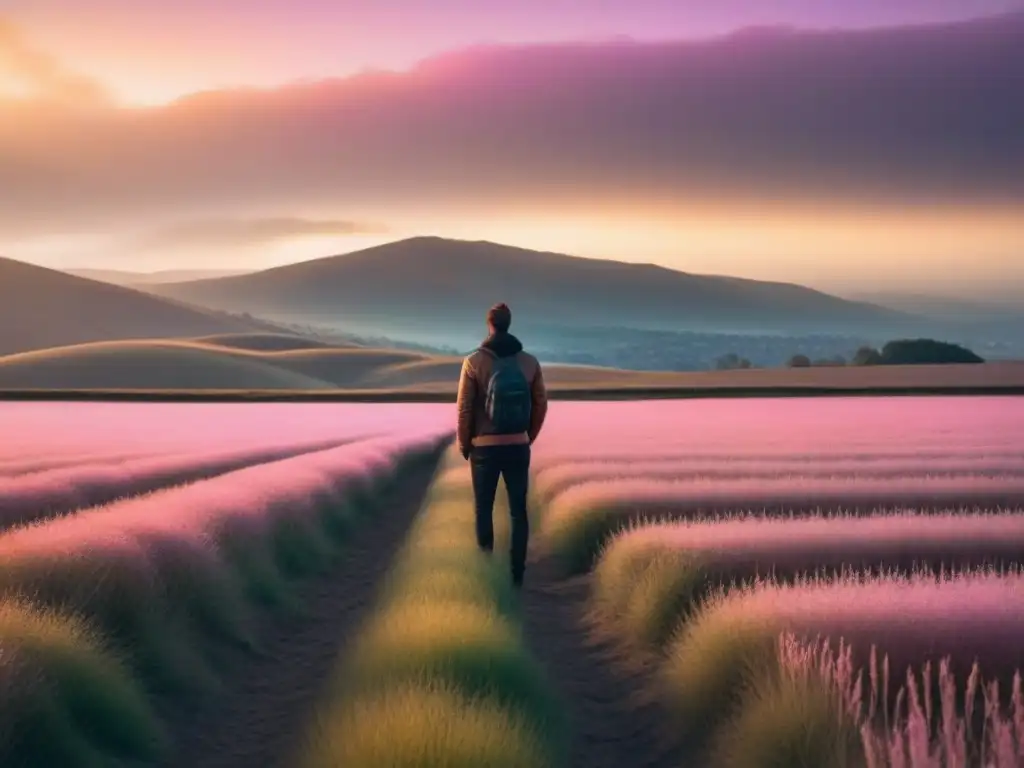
[440,289]
[150,364]
[221,363]
[190,366]
[42,308]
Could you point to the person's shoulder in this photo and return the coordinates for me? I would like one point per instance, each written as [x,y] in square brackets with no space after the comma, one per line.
[526,357]
[473,360]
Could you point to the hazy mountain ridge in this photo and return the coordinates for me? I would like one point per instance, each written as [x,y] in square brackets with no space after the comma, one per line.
[42,308]
[129,278]
[443,287]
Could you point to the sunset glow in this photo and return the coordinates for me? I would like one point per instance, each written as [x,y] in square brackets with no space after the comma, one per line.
[124,123]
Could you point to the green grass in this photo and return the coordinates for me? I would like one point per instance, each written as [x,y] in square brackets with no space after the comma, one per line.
[128,599]
[788,722]
[640,594]
[439,676]
[67,699]
[575,537]
[427,724]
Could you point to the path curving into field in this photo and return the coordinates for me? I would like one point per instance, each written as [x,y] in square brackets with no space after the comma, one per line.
[270,698]
[611,726]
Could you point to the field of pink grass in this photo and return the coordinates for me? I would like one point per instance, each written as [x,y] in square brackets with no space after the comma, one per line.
[649,578]
[966,617]
[837,501]
[37,495]
[724,656]
[553,480]
[132,551]
[577,522]
[796,494]
[65,456]
[162,579]
[837,541]
[46,429]
[822,427]
[24,466]
[933,721]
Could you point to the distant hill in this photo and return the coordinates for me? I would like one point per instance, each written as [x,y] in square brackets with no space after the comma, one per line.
[996,325]
[947,308]
[441,288]
[41,308]
[122,277]
[187,365]
[147,365]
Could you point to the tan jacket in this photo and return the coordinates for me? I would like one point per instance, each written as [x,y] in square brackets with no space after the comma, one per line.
[475,427]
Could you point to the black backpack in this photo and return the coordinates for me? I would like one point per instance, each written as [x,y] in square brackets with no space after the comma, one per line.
[509,402]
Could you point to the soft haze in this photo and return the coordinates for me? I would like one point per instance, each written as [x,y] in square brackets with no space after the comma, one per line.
[849,159]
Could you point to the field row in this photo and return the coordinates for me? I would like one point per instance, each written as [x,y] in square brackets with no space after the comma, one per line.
[860,607]
[116,608]
[439,675]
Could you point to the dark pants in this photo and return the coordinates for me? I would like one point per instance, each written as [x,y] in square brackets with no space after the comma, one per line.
[512,463]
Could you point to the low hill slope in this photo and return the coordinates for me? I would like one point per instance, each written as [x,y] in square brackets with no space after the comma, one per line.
[42,308]
[354,368]
[147,365]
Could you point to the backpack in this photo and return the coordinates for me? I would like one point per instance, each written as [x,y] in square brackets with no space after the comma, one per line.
[509,402]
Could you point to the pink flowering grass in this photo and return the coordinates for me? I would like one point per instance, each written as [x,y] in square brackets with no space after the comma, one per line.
[39,495]
[579,521]
[936,719]
[553,480]
[14,467]
[158,573]
[649,578]
[966,617]
[819,427]
[58,428]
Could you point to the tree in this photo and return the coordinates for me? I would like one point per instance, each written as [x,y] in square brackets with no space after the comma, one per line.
[799,361]
[867,356]
[926,352]
[731,362]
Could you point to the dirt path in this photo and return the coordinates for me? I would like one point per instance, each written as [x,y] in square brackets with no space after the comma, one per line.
[270,698]
[610,726]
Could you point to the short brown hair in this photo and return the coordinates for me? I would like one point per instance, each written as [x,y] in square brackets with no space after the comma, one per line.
[500,317]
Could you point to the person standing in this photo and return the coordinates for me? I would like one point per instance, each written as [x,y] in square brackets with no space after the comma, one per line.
[502,404]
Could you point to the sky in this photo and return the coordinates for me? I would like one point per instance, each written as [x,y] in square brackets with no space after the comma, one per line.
[148,135]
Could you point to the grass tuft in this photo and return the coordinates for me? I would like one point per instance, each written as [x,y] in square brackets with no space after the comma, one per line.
[429,724]
[67,698]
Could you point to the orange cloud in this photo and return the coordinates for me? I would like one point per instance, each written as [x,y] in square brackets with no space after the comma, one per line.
[27,71]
